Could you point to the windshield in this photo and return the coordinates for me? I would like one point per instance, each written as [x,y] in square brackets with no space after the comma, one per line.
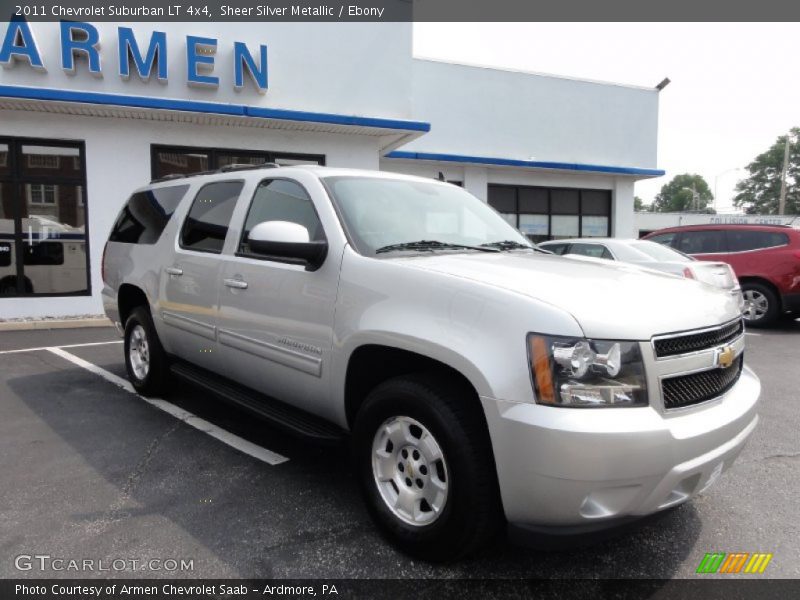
[659,252]
[379,213]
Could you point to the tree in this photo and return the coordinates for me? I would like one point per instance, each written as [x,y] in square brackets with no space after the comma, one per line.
[760,192]
[639,205]
[684,193]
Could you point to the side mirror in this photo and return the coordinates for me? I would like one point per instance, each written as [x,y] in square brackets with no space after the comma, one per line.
[282,239]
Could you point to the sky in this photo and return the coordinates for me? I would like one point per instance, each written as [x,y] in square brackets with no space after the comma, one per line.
[734,87]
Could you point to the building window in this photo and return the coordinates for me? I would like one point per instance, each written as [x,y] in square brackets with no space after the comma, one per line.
[553,213]
[42,193]
[181,160]
[43,238]
[43,161]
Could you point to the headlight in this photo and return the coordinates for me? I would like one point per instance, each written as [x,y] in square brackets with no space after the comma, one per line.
[581,373]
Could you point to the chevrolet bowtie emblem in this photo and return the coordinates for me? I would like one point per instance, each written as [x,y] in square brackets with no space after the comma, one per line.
[725,356]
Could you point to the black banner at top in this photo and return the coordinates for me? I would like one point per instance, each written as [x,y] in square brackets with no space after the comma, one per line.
[399,10]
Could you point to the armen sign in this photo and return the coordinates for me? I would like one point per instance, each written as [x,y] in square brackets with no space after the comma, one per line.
[145,58]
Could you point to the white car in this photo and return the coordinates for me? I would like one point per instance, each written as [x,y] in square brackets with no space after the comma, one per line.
[653,256]
[481,380]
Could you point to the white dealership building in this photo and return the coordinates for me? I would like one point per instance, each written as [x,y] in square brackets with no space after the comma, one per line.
[91,111]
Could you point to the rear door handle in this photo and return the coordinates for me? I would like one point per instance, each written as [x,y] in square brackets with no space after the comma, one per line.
[236,283]
[174,271]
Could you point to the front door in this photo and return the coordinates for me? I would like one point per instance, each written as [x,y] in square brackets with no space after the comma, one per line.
[276,318]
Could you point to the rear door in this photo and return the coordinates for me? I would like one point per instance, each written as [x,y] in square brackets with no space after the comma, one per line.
[276,317]
[190,282]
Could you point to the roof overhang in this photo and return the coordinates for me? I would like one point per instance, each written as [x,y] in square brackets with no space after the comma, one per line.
[636,172]
[392,132]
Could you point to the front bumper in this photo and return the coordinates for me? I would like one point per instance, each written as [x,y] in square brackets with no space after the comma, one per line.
[561,467]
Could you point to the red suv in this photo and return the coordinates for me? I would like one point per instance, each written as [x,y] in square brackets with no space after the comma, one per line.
[766,259]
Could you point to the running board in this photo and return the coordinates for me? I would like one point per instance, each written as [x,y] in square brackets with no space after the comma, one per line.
[288,418]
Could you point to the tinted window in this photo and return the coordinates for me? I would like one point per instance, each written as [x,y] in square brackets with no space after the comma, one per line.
[555,248]
[595,202]
[5,254]
[702,242]
[658,252]
[593,250]
[667,239]
[565,202]
[168,160]
[146,215]
[503,199]
[44,253]
[51,161]
[740,240]
[533,201]
[42,183]
[206,225]
[281,200]
[5,166]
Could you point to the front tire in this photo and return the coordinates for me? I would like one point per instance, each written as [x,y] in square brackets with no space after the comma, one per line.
[426,467]
[762,307]
[145,360]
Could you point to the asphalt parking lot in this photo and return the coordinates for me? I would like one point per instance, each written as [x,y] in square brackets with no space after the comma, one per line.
[90,470]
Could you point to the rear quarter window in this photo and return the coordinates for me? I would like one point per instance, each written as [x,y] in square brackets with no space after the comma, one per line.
[146,214]
[666,239]
[741,241]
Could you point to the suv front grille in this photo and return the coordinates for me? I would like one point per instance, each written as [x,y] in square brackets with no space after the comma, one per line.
[692,342]
[685,390]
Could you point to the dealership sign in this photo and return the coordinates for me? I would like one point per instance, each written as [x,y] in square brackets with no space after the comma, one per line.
[146,58]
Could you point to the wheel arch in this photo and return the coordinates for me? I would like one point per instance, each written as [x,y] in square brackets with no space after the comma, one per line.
[129,297]
[745,279]
[373,362]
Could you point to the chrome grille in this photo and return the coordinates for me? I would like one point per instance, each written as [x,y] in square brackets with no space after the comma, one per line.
[692,342]
[685,390]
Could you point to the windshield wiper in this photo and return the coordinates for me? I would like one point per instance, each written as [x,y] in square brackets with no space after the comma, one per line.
[431,245]
[512,245]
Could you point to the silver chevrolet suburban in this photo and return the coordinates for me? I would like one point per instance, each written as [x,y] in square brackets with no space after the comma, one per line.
[482,381]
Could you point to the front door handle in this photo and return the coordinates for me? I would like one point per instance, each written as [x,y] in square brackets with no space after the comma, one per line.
[236,283]
[174,271]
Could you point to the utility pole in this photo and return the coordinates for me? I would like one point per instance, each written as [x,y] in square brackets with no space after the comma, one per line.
[782,203]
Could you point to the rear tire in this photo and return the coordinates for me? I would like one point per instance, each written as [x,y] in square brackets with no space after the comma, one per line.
[762,307]
[426,467]
[145,360]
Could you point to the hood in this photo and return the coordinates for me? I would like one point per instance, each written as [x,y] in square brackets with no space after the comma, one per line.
[609,300]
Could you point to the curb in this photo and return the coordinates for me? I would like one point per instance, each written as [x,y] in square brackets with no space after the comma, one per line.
[55,324]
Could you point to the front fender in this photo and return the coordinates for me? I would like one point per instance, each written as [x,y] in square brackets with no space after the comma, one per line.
[475,328]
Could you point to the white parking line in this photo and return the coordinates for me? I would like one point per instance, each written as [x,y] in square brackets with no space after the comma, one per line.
[755,334]
[66,346]
[226,437]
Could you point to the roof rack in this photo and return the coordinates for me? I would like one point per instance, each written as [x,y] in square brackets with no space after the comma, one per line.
[246,167]
[226,169]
